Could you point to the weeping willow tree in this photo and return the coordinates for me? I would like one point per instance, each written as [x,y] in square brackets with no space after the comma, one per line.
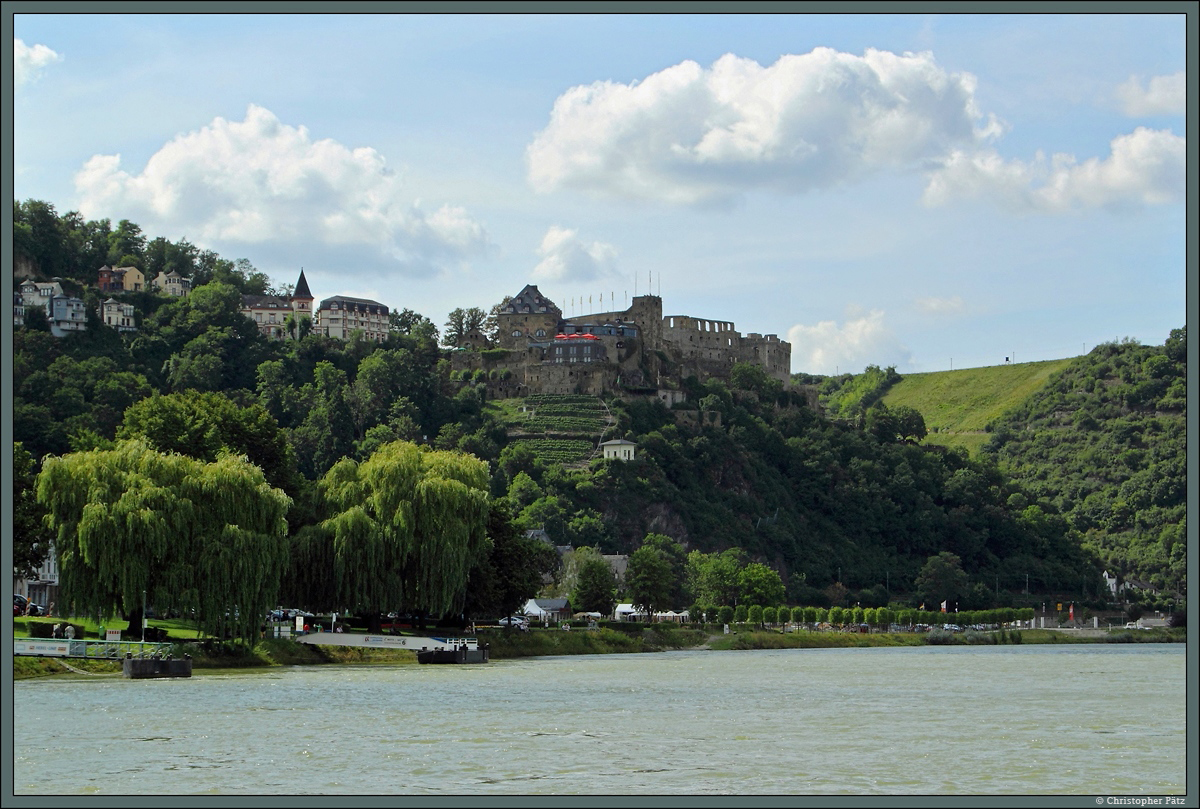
[406,526]
[132,524]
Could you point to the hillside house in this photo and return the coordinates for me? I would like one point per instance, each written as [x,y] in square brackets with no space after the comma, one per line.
[67,315]
[620,449]
[173,284]
[341,316]
[117,315]
[120,279]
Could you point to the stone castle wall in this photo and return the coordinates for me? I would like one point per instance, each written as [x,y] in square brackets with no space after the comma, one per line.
[663,351]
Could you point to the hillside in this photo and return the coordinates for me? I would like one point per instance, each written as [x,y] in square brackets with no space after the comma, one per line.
[1104,443]
[959,405]
[557,429]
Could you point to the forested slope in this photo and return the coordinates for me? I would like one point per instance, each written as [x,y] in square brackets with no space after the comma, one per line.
[857,501]
[1105,441]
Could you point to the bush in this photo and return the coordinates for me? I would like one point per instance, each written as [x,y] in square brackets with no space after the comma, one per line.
[940,637]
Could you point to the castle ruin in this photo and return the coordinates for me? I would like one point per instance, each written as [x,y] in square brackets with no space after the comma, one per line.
[637,350]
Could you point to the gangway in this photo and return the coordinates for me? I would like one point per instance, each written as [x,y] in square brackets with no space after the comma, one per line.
[428,649]
[90,649]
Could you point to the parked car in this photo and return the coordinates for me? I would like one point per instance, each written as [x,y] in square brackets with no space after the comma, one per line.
[23,606]
[514,620]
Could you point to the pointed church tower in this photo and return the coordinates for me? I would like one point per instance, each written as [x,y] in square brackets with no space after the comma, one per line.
[302,299]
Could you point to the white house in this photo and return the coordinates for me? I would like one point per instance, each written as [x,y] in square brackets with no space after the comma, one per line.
[548,610]
[620,449]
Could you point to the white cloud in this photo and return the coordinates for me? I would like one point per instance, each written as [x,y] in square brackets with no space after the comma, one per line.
[940,307]
[1164,95]
[566,257]
[262,182]
[28,62]
[862,340]
[690,135]
[1145,167]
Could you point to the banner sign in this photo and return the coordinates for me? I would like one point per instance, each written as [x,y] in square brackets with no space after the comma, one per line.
[45,648]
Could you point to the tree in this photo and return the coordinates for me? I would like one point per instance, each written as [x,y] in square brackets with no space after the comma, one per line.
[714,578]
[677,558]
[760,585]
[408,322]
[941,579]
[31,539]
[134,525]
[407,526]
[38,236]
[124,242]
[512,572]
[460,323]
[596,590]
[203,425]
[648,579]
[491,324]
[910,424]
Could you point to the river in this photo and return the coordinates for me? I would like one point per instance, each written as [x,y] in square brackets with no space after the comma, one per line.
[1091,719]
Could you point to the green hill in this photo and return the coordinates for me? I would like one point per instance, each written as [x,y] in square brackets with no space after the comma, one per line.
[959,405]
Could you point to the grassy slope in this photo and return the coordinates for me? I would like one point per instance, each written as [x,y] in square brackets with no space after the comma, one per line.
[958,405]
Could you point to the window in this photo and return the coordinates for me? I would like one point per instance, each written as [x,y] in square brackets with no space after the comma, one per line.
[540,333]
[516,333]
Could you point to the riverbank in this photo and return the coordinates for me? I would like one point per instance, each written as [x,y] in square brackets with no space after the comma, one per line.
[214,657]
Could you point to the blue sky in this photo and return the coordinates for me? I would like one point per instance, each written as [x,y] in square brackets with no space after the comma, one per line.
[923,191]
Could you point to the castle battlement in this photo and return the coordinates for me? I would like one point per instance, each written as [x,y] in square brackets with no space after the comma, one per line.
[637,346]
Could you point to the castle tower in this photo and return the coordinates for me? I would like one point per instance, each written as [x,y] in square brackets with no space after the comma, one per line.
[647,312]
[302,299]
[529,316]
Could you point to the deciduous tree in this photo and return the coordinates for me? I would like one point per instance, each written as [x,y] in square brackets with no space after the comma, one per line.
[133,524]
[407,526]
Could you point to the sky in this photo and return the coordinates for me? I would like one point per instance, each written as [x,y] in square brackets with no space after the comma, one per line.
[929,192]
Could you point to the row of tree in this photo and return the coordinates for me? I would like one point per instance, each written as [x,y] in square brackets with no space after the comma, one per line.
[842,617]
[405,530]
